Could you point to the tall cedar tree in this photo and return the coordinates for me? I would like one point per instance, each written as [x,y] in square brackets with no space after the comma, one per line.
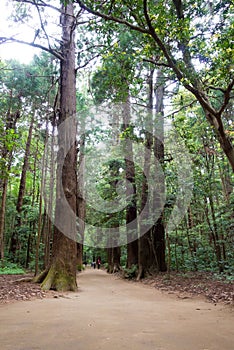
[62,272]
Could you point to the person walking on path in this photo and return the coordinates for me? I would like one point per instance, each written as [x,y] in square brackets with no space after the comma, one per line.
[98,263]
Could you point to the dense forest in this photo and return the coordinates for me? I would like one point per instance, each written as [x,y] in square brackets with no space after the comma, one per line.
[116,140]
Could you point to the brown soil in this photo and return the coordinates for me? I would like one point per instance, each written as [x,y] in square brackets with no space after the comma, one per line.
[13,287]
[110,313]
[195,284]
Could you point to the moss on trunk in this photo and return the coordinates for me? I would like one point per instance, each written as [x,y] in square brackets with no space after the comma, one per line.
[59,279]
[62,272]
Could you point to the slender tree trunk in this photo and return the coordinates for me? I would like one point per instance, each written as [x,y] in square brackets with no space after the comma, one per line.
[40,216]
[114,251]
[7,155]
[15,239]
[175,252]
[191,245]
[62,272]
[25,168]
[227,191]
[209,159]
[32,237]
[216,238]
[2,217]
[110,260]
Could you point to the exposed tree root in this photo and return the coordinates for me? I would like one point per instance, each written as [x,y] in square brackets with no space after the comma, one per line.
[59,280]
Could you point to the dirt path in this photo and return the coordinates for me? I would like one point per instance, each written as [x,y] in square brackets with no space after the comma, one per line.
[108,313]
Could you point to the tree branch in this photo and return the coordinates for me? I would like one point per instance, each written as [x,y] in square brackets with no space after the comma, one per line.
[227,96]
[87,62]
[42,24]
[42,4]
[181,109]
[44,48]
[195,87]
[159,42]
[112,18]
[159,64]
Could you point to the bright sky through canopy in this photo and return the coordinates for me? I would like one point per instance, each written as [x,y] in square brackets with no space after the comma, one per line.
[20,52]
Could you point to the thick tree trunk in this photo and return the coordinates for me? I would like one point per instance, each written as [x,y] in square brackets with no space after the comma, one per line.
[145,241]
[113,258]
[62,272]
[79,256]
[158,232]
[152,243]
[131,210]
[114,251]
[159,246]
[109,259]
[225,177]
[81,208]
[49,225]
[225,143]
[116,259]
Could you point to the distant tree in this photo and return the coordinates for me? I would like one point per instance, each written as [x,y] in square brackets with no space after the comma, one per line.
[8,139]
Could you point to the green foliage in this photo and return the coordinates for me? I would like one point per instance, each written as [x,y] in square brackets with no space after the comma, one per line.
[204,239]
[228,277]
[130,273]
[113,79]
[80,268]
[9,268]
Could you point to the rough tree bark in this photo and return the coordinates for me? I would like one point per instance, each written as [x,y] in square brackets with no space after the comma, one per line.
[145,248]
[41,217]
[62,272]
[49,225]
[158,231]
[81,205]
[151,244]
[131,210]
[114,251]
